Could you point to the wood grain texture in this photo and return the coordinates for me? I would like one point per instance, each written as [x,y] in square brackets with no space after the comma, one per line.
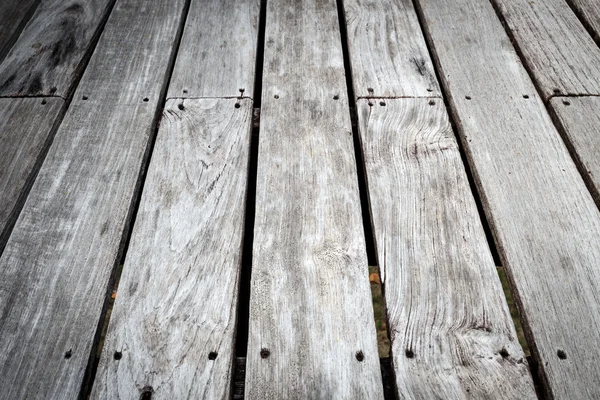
[544,220]
[387,50]
[177,296]
[14,14]
[579,120]
[557,49]
[217,54]
[448,318]
[310,303]
[55,270]
[46,59]
[25,132]
[589,12]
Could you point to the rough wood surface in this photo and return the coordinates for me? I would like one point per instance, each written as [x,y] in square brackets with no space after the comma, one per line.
[25,131]
[311,316]
[387,50]
[177,296]
[14,14]
[55,270]
[217,54]
[544,220]
[46,58]
[557,49]
[589,12]
[579,120]
[451,332]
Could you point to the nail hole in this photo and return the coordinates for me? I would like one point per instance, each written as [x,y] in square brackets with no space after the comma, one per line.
[237,105]
[468,97]
[44,101]
[504,353]
[53,89]
[566,102]
[382,103]
[68,354]
[241,90]
[360,355]
[185,91]
[84,97]
[429,90]
[370,89]
[370,104]
[561,354]
[525,96]
[118,355]
[145,99]
[212,355]
[432,102]
[146,393]
[336,97]
[556,91]
[409,353]
[276,96]
[264,353]
[180,106]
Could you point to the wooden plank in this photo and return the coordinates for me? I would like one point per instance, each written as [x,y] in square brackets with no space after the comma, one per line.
[451,332]
[14,14]
[185,254]
[557,49]
[218,50]
[312,331]
[47,58]
[55,270]
[25,133]
[544,220]
[589,12]
[387,50]
[579,121]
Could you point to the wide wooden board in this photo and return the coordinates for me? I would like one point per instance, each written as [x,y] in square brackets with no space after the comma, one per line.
[178,293]
[388,54]
[47,58]
[451,332]
[25,133]
[589,12]
[56,267]
[544,220]
[312,332]
[557,49]
[14,14]
[579,121]
[217,54]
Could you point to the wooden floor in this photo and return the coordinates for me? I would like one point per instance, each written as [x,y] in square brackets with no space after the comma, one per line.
[231,169]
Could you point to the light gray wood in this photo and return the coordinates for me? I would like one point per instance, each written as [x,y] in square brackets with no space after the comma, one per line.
[14,14]
[448,318]
[217,54]
[25,132]
[178,293]
[310,302]
[46,59]
[387,50]
[55,270]
[557,49]
[589,12]
[579,120]
[545,222]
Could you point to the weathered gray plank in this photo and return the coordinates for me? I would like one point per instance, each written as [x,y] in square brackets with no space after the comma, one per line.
[46,59]
[14,14]
[451,332]
[589,12]
[388,54]
[178,296]
[56,266]
[544,220]
[218,50]
[25,128]
[311,316]
[579,119]
[557,49]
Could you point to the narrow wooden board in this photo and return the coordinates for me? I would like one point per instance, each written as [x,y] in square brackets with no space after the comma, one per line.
[579,121]
[311,315]
[589,12]
[388,54]
[46,59]
[545,222]
[25,132]
[178,293]
[218,50]
[451,332]
[14,14]
[55,270]
[557,49]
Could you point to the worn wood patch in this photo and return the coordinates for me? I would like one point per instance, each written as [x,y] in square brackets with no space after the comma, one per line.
[312,332]
[14,14]
[451,332]
[46,59]
[25,132]
[388,54]
[544,220]
[55,269]
[589,12]
[173,322]
[557,49]
[217,54]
